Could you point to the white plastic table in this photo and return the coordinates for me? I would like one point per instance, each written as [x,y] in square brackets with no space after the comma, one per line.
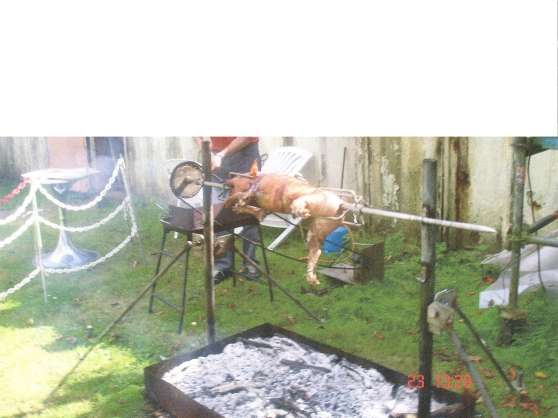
[66,254]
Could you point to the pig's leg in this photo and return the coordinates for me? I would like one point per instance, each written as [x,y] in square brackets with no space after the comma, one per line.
[233,200]
[317,233]
[314,252]
[259,213]
[299,208]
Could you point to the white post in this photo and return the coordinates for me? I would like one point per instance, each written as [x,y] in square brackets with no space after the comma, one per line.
[38,238]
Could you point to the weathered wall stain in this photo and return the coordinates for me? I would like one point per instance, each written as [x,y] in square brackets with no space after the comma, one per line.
[390,188]
[460,156]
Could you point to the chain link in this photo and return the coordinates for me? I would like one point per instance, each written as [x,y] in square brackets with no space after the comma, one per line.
[21,209]
[15,235]
[93,202]
[123,205]
[18,286]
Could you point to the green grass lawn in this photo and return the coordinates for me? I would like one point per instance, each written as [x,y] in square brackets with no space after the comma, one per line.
[40,343]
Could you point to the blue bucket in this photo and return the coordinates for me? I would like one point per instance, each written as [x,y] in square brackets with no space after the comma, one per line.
[334,241]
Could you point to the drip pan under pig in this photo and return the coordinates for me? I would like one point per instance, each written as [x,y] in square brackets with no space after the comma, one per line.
[299,378]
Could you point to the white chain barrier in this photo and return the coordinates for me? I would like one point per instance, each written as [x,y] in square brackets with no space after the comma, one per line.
[109,217]
[18,232]
[93,202]
[21,209]
[18,286]
[100,260]
[125,207]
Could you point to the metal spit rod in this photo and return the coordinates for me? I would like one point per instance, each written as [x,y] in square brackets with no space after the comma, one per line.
[359,208]
[417,218]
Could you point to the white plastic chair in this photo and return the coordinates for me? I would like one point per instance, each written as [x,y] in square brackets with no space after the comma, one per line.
[289,161]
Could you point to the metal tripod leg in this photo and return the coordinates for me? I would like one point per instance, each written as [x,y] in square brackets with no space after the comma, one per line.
[233,265]
[152,295]
[266,264]
[281,288]
[474,374]
[184,282]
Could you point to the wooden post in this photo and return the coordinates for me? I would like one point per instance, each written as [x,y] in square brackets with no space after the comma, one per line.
[428,260]
[519,158]
[518,195]
[208,240]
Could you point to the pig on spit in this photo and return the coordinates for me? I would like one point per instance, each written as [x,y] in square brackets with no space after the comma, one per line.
[260,194]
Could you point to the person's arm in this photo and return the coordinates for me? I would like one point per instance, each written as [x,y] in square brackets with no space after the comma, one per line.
[236,145]
[198,140]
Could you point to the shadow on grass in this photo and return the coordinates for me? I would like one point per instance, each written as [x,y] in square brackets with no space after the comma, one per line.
[109,395]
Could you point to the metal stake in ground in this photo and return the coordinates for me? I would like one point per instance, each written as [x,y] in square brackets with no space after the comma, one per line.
[208,240]
[428,260]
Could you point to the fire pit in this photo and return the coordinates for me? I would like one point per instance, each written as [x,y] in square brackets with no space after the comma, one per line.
[271,372]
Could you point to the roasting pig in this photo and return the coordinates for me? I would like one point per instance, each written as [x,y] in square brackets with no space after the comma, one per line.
[260,194]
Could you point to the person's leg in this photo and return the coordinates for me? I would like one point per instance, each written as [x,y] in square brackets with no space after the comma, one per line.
[251,233]
[222,266]
[224,263]
[239,162]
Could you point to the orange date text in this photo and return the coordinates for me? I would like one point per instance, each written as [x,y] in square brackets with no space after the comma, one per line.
[443,381]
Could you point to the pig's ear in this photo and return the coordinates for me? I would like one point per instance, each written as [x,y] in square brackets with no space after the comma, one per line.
[229,182]
[254,169]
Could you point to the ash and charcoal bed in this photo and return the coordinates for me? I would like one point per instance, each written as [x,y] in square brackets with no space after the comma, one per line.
[268,371]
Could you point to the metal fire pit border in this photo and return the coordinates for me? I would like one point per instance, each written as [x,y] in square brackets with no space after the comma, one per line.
[180,405]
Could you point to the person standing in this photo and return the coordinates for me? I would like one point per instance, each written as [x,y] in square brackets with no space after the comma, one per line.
[235,154]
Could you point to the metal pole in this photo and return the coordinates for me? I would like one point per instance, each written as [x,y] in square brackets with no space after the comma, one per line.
[38,240]
[208,240]
[549,242]
[518,195]
[485,348]
[343,167]
[541,223]
[423,219]
[474,374]
[266,264]
[428,260]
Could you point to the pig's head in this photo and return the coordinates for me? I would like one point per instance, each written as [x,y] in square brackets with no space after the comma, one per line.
[238,184]
[241,184]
